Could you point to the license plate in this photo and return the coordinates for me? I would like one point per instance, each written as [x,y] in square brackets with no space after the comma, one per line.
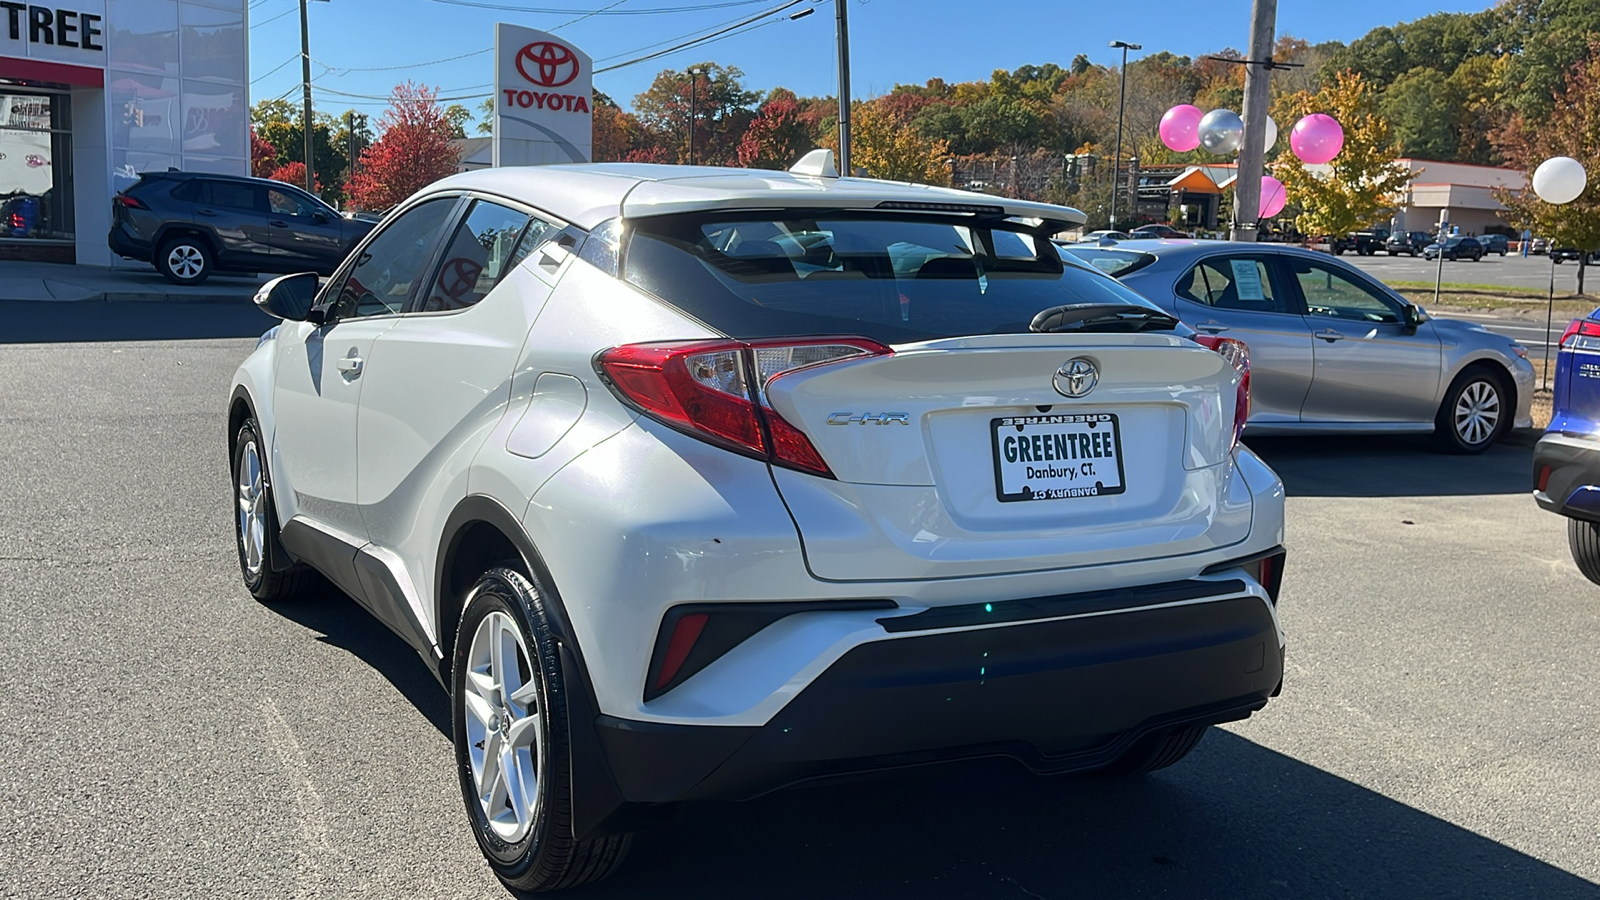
[1056,457]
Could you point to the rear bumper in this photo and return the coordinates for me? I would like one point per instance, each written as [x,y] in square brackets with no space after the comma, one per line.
[1059,696]
[1572,488]
[124,244]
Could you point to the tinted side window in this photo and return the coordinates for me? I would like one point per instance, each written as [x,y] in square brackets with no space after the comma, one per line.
[233,195]
[1235,282]
[187,191]
[482,249]
[389,266]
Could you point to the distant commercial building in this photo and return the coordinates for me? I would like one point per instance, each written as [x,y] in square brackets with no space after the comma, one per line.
[476,153]
[94,92]
[1462,190]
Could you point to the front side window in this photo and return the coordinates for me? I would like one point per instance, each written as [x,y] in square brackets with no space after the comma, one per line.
[1330,292]
[390,265]
[1233,282]
[483,248]
[291,203]
[892,278]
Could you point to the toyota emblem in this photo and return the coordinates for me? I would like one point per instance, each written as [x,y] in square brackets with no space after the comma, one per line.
[1076,377]
[547,64]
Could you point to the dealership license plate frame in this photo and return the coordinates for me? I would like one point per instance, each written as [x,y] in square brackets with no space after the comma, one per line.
[1027,495]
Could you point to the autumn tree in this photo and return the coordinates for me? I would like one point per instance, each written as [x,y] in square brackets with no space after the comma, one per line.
[1572,128]
[886,150]
[263,156]
[617,133]
[777,138]
[294,173]
[1362,184]
[412,151]
[722,112]
[279,123]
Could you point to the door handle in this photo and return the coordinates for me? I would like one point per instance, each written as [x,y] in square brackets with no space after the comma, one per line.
[1211,327]
[279,223]
[1329,335]
[350,365]
[205,212]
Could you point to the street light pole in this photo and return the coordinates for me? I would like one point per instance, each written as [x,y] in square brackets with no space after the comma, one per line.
[694,81]
[1122,99]
[843,7]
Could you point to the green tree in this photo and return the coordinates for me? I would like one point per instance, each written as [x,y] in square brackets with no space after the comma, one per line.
[279,123]
[486,124]
[1572,128]
[1361,184]
[459,118]
[1426,109]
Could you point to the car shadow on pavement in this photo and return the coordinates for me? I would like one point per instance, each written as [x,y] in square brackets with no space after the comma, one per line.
[26,322]
[342,622]
[1234,820]
[1395,466]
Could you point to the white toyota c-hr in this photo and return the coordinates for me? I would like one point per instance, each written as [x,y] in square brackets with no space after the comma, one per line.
[694,483]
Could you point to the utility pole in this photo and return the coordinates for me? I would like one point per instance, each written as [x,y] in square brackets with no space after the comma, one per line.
[843,8]
[305,85]
[1257,81]
[1122,99]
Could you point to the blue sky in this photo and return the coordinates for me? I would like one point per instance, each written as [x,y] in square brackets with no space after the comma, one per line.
[892,41]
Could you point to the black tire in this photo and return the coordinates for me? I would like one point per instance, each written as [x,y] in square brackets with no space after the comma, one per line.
[185,260]
[546,858]
[1448,437]
[1584,539]
[271,581]
[1413,254]
[1155,751]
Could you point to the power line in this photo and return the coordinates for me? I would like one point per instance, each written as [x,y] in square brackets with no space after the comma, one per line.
[705,39]
[650,11]
[276,68]
[273,19]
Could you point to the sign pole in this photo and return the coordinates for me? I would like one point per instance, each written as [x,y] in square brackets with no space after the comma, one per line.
[1549,319]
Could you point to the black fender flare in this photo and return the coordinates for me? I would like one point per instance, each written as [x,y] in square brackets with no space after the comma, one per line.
[597,804]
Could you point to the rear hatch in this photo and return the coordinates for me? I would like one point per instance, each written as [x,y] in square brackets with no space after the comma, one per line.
[1577,387]
[940,437]
[960,457]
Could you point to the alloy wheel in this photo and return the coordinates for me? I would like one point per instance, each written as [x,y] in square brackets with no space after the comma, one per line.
[186,261]
[252,509]
[1477,412]
[504,704]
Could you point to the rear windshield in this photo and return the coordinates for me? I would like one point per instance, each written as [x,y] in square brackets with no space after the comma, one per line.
[892,278]
[1112,262]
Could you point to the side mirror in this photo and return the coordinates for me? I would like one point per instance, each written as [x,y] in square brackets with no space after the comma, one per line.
[1413,316]
[291,297]
[321,218]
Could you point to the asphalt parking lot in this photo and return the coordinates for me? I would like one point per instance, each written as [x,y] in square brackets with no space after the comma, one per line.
[1506,271]
[167,736]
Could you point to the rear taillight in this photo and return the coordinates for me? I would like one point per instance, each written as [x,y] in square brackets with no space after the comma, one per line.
[1237,353]
[1580,328]
[715,390]
[130,202]
[15,220]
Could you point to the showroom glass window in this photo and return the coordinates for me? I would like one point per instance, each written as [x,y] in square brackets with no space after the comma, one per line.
[35,165]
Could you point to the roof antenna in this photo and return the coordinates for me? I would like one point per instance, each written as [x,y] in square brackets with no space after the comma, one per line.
[818,162]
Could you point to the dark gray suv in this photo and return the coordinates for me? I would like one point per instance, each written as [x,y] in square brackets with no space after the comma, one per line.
[189,224]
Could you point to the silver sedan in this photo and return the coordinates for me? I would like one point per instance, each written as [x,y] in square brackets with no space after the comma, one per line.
[1331,349]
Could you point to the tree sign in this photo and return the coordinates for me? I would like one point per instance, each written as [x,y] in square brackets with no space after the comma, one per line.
[543,89]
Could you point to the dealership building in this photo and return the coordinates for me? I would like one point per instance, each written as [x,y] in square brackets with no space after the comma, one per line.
[93,92]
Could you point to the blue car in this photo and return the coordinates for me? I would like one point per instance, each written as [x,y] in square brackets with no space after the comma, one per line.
[1566,462]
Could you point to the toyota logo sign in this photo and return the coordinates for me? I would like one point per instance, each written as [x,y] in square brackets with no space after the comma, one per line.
[547,64]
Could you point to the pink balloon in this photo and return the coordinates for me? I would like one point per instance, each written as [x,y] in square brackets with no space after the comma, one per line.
[1317,138]
[1273,196]
[1180,127]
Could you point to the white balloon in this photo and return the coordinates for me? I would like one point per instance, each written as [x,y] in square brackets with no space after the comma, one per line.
[1559,179]
[1272,133]
[1221,130]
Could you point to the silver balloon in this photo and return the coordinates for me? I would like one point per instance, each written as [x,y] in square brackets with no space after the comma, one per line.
[1221,131]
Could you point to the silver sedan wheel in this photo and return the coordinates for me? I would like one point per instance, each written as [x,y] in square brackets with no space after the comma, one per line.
[186,261]
[504,704]
[252,510]
[1477,412]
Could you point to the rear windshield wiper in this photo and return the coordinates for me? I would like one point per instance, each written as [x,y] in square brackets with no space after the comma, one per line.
[1102,317]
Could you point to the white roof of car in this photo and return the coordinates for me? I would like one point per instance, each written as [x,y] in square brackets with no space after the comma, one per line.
[590,193]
